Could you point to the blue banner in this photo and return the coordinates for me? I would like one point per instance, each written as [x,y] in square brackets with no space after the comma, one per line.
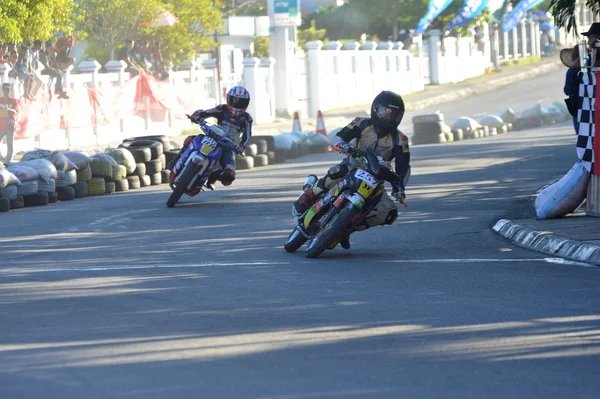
[516,15]
[471,9]
[436,7]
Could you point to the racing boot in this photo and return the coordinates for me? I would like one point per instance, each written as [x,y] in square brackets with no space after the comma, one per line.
[308,197]
[227,177]
[212,179]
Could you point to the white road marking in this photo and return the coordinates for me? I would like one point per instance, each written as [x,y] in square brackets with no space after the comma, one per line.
[279,263]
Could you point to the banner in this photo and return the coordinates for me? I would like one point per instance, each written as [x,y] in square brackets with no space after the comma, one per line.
[101,106]
[471,9]
[515,16]
[436,7]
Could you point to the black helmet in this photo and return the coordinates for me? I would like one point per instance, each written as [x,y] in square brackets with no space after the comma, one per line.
[387,111]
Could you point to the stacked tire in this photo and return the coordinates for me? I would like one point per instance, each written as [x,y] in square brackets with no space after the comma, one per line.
[151,154]
[260,152]
[431,129]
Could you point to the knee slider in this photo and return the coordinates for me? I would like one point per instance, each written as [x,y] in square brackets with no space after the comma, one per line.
[391,216]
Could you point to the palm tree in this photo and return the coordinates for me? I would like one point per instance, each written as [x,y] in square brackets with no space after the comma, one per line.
[564,12]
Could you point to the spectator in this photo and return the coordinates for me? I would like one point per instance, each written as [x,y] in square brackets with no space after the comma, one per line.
[3,53]
[9,112]
[63,53]
[544,42]
[140,52]
[125,54]
[52,69]
[158,65]
[21,69]
[12,59]
[570,58]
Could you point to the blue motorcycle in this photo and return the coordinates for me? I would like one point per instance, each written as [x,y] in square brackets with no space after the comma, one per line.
[198,161]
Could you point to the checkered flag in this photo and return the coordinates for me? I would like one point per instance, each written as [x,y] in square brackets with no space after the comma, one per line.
[586,116]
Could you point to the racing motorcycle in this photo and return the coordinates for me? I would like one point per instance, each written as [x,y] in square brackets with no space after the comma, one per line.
[342,209]
[198,161]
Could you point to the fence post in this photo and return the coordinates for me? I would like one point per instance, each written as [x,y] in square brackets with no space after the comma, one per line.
[249,74]
[270,63]
[119,68]
[523,32]
[433,36]
[515,43]
[495,45]
[313,71]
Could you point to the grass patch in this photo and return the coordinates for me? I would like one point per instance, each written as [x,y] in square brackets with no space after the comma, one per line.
[532,59]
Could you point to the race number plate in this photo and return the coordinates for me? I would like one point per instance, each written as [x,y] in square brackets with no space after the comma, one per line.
[366,177]
[207,146]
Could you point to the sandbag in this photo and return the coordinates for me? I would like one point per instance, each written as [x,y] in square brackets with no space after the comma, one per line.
[466,124]
[102,165]
[122,156]
[535,111]
[60,161]
[508,115]
[318,139]
[80,159]
[563,107]
[8,178]
[284,141]
[564,196]
[46,169]
[492,121]
[23,173]
[554,112]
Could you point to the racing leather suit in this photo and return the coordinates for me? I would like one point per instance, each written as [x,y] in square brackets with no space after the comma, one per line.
[389,147]
[233,125]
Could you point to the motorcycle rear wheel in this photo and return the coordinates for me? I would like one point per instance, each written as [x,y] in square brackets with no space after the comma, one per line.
[187,175]
[295,241]
[332,231]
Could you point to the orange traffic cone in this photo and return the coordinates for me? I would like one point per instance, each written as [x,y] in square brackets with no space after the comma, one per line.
[321,129]
[296,126]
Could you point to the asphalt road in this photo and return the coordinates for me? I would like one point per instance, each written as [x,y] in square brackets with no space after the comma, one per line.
[118,296]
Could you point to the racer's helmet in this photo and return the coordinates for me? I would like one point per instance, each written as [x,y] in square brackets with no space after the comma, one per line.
[387,112]
[238,99]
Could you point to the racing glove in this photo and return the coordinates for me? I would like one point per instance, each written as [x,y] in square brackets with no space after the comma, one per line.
[196,116]
[239,149]
[344,147]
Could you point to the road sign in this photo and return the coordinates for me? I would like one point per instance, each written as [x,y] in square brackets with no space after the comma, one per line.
[287,13]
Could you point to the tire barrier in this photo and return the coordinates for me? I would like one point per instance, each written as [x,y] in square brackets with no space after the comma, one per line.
[140,169]
[154,166]
[145,181]
[37,199]
[261,160]
[110,187]
[46,187]
[134,182]
[4,205]
[122,185]
[155,179]
[97,186]
[11,192]
[65,193]
[17,203]
[27,188]
[81,189]
[84,174]
[52,198]
[165,174]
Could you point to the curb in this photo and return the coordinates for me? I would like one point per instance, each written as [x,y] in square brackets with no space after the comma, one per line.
[548,243]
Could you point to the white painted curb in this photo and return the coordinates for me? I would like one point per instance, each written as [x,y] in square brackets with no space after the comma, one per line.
[548,243]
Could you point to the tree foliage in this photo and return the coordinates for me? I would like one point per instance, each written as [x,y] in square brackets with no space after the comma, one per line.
[564,12]
[378,17]
[30,20]
[309,34]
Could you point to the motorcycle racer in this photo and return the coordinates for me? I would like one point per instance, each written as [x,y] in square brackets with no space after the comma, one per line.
[235,121]
[380,134]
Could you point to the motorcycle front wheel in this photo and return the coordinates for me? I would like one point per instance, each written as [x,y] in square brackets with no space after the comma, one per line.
[336,226]
[295,241]
[186,177]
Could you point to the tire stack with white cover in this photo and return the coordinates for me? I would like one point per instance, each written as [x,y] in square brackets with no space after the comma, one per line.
[83,174]
[9,185]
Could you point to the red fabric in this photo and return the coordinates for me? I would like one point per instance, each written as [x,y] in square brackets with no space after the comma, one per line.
[100,106]
[4,115]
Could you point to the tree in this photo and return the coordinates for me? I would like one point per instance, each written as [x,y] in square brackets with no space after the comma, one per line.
[378,17]
[564,12]
[253,8]
[309,34]
[36,19]
[110,22]
[198,21]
